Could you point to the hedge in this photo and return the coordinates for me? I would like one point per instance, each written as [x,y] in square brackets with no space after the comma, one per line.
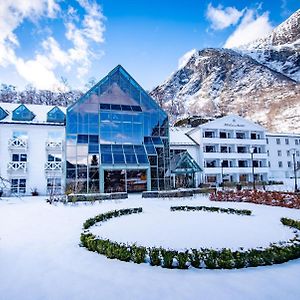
[224,258]
[212,209]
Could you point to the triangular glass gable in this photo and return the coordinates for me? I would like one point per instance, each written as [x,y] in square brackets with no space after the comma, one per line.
[183,163]
[22,113]
[3,113]
[118,87]
[55,115]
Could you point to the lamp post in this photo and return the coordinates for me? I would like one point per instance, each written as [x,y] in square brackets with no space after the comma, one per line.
[222,174]
[252,165]
[295,168]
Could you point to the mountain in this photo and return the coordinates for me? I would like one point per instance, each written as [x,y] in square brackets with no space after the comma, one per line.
[258,81]
[280,50]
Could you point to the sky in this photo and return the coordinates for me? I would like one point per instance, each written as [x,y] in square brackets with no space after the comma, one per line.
[62,44]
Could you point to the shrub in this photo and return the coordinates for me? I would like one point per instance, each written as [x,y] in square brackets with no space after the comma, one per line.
[138,254]
[154,254]
[182,259]
[195,258]
[168,258]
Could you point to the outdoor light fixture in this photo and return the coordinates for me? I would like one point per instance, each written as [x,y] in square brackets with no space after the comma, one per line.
[293,151]
[222,173]
[252,164]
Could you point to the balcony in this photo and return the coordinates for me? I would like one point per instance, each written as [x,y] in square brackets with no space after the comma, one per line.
[54,145]
[17,143]
[238,170]
[53,166]
[14,166]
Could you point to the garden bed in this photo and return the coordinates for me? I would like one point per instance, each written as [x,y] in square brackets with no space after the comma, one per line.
[180,193]
[95,197]
[283,199]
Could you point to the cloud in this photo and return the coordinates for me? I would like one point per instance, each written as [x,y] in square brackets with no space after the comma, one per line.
[222,18]
[40,69]
[253,26]
[183,60]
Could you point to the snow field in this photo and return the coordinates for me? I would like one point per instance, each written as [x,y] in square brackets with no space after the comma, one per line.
[40,258]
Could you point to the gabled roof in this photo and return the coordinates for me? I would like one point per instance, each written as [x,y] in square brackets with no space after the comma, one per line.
[183,163]
[178,136]
[118,86]
[230,122]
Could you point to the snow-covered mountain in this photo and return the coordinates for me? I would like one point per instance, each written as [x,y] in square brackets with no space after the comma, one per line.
[262,87]
[280,50]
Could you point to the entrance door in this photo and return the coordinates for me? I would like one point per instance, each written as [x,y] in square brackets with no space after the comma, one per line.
[114,181]
[136,180]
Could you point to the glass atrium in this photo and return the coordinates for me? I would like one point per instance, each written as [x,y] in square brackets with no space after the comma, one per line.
[117,139]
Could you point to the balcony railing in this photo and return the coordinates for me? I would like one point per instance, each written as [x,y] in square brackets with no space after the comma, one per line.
[53,166]
[17,143]
[54,145]
[17,166]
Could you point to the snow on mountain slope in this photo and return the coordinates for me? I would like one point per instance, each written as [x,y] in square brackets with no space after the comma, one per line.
[220,81]
[280,50]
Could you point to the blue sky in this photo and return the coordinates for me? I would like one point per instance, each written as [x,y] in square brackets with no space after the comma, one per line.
[44,40]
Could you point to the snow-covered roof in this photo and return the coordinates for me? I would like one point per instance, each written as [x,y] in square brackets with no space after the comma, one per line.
[230,122]
[272,134]
[40,112]
[178,136]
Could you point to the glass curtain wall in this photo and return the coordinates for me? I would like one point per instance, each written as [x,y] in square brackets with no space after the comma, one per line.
[117,139]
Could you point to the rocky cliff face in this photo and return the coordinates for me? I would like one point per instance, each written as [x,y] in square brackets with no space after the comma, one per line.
[258,81]
[280,50]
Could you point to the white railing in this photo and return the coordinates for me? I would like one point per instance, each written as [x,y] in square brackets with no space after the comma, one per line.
[17,143]
[53,166]
[52,144]
[17,166]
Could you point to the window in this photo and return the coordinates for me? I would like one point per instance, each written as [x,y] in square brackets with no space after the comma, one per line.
[3,113]
[288,153]
[268,152]
[287,142]
[53,185]
[22,135]
[296,142]
[18,186]
[54,157]
[267,141]
[278,141]
[210,149]
[22,113]
[280,164]
[289,164]
[209,134]
[240,135]
[269,164]
[242,163]
[279,152]
[297,153]
[19,157]
[55,115]
[55,135]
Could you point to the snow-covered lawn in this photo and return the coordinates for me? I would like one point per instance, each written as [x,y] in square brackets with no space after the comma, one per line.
[40,257]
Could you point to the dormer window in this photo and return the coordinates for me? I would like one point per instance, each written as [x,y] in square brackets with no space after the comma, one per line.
[22,113]
[55,115]
[3,113]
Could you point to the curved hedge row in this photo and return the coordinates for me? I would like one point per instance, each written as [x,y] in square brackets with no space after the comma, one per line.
[207,258]
[212,209]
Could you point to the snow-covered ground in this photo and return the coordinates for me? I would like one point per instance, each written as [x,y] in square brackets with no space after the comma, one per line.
[40,257]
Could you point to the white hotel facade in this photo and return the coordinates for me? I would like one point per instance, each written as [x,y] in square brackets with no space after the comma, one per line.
[32,148]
